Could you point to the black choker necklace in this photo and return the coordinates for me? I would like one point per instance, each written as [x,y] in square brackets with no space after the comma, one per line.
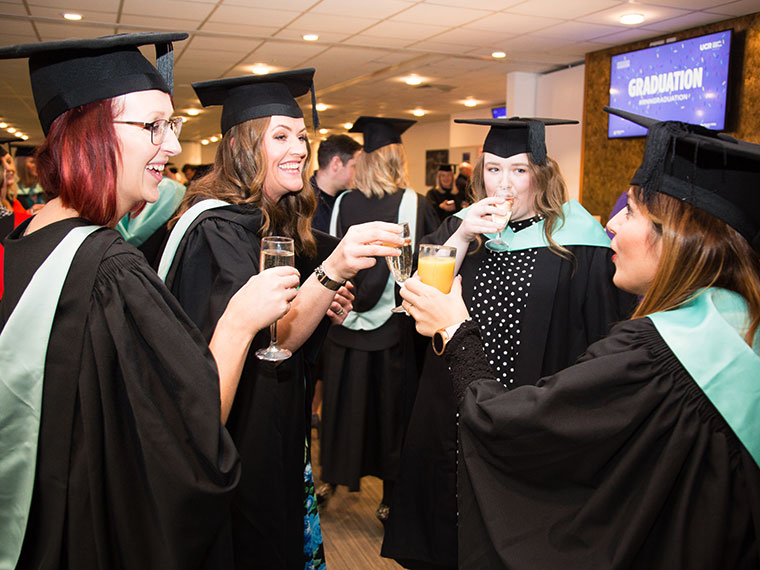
[522,224]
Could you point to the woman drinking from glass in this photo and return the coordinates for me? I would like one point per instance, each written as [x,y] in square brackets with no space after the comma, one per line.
[644,454]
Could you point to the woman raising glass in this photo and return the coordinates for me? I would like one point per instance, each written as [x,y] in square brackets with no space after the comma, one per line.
[644,453]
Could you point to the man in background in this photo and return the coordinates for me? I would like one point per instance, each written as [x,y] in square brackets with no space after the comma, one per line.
[465,171]
[336,158]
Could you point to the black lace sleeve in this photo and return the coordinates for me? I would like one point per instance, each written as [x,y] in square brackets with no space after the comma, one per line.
[465,358]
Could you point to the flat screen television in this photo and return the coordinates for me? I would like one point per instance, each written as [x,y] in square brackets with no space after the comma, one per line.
[680,81]
[498,112]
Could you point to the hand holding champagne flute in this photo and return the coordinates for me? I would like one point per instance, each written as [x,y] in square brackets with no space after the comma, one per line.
[401,266]
[275,252]
[502,218]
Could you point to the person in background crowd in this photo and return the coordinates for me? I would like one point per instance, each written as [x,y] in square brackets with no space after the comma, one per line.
[336,157]
[146,228]
[644,453]
[275,522]
[370,361]
[30,193]
[189,171]
[540,297]
[12,213]
[113,452]
[463,178]
[445,196]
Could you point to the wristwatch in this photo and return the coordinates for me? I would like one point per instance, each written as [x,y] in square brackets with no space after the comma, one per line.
[326,281]
[441,338]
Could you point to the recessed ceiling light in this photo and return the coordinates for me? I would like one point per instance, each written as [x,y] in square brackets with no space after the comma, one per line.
[418,112]
[498,54]
[184,119]
[72,16]
[310,37]
[631,19]
[204,142]
[3,125]
[193,112]
[11,130]
[322,131]
[348,126]
[25,137]
[469,102]
[260,69]
[321,107]
[214,139]
[413,79]
[20,134]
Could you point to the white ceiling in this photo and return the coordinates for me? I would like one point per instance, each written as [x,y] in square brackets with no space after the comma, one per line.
[364,47]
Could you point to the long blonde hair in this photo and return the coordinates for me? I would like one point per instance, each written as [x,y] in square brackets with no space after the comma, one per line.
[382,171]
[551,193]
[238,178]
[698,251]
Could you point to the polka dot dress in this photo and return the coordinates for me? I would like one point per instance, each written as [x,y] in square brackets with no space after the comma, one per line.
[500,296]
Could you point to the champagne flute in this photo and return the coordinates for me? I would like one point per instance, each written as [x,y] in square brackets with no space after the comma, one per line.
[401,266]
[275,251]
[436,265]
[502,218]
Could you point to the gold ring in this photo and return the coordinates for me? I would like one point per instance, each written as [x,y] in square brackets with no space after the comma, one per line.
[339,312]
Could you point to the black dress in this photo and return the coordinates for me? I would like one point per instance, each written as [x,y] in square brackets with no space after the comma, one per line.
[543,311]
[437,195]
[618,462]
[269,418]
[370,376]
[134,469]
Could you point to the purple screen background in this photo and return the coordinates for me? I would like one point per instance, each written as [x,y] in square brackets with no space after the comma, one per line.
[704,105]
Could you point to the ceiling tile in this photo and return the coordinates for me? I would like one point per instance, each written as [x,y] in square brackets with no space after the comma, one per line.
[78,5]
[371,40]
[260,16]
[282,55]
[565,10]
[493,5]
[18,28]
[469,37]
[692,4]
[167,9]
[253,30]
[687,21]
[739,8]
[611,17]
[404,30]
[377,10]
[318,23]
[512,24]
[439,15]
[578,31]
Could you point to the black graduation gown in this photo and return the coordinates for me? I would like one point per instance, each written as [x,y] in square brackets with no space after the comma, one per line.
[571,305]
[618,462]
[268,420]
[369,377]
[134,468]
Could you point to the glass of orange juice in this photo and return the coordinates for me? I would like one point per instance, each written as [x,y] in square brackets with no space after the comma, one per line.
[436,265]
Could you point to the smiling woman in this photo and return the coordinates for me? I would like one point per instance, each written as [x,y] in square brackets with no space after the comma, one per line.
[95,451]
[255,190]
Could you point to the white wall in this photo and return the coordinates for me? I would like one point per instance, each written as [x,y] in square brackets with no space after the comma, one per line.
[417,140]
[560,95]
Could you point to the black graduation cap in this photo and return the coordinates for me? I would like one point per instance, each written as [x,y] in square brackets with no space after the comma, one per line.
[256,96]
[68,73]
[516,135]
[380,131]
[711,171]
[25,150]
[447,167]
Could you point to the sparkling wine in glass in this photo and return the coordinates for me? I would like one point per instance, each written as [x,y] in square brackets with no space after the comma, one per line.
[502,219]
[401,266]
[275,251]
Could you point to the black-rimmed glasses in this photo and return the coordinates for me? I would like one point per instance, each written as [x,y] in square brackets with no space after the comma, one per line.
[158,128]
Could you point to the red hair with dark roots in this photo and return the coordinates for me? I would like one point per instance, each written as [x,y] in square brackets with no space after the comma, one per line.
[78,161]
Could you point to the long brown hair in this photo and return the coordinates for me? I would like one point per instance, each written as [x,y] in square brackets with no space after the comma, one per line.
[382,171]
[698,251]
[550,195]
[238,178]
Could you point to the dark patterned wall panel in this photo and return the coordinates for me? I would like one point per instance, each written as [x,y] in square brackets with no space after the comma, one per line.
[608,164]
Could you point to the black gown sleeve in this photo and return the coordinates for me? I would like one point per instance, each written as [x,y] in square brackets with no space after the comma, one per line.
[152,469]
[619,461]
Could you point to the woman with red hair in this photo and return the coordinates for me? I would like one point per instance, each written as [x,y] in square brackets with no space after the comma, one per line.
[113,452]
